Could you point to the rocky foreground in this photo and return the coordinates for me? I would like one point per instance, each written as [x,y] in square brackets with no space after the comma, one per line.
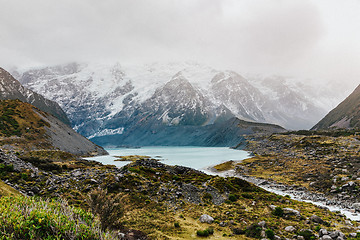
[164,202]
[324,164]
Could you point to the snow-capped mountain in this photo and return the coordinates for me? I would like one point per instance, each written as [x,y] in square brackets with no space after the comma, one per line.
[109,99]
[10,88]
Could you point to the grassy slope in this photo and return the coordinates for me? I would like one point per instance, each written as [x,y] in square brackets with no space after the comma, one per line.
[312,161]
[21,127]
[6,190]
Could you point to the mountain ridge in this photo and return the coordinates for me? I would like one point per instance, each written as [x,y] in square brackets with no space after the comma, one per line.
[105,100]
[10,88]
[345,115]
[25,128]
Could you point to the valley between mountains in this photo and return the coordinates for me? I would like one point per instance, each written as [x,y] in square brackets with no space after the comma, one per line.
[49,191]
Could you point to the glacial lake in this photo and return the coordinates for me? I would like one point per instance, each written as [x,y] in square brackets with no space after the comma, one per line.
[199,158]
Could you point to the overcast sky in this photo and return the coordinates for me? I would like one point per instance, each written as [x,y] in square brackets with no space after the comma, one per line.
[317,39]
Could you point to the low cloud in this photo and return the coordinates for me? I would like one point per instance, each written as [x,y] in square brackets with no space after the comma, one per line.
[296,37]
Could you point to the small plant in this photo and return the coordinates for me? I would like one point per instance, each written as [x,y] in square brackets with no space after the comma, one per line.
[239,231]
[176,224]
[278,212]
[207,196]
[317,228]
[205,233]
[307,234]
[106,207]
[202,233]
[31,218]
[270,233]
[253,231]
[210,230]
[232,197]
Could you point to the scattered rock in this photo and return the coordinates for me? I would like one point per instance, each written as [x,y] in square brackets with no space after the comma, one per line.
[352,235]
[356,206]
[290,229]
[222,224]
[323,232]
[262,224]
[326,237]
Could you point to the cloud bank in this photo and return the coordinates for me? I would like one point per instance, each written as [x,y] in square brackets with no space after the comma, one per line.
[317,39]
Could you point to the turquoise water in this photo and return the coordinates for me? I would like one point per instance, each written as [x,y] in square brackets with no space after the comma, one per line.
[199,158]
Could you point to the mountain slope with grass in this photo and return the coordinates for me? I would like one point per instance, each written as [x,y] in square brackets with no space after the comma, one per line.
[10,88]
[345,115]
[24,127]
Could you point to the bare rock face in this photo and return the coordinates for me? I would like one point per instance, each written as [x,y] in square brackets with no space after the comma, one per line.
[66,139]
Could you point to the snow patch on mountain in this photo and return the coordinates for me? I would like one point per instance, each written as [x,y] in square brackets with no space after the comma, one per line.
[105,99]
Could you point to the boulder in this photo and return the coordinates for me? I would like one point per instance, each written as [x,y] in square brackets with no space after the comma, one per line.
[290,229]
[356,206]
[290,211]
[316,219]
[352,235]
[206,219]
[262,224]
[323,232]
[326,237]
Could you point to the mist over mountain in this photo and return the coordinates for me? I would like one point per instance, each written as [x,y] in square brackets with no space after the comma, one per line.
[111,99]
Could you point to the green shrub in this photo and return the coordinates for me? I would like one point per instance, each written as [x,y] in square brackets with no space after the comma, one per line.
[270,233]
[278,212]
[232,197]
[202,233]
[108,208]
[239,231]
[176,224]
[307,234]
[253,231]
[207,196]
[210,230]
[206,232]
[247,195]
[29,218]
[6,168]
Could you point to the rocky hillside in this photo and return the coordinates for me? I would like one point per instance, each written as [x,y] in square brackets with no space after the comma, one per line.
[345,115]
[109,100]
[174,202]
[25,127]
[10,88]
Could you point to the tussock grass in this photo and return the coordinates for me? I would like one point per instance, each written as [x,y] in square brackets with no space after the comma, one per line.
[30,218]
[225,166]
[6,190]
